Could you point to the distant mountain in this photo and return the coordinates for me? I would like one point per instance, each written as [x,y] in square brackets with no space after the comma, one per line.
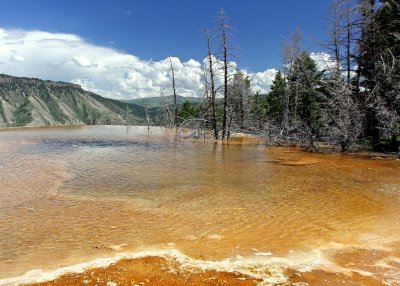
[158,101]
[35,102]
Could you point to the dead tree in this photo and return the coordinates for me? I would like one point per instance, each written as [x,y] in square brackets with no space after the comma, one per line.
[341,114]
[239,97]
[129,119]
[147,117]
[258,110]
[343,34]
[350,27]
[174,92]
[167,119]
[290,52]
[211,72]
[225,51]
[335,33]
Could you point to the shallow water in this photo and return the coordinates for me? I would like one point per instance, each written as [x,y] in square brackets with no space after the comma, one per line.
[68,195]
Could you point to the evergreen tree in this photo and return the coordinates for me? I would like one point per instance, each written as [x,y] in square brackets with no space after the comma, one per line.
[387,21]
[238,101]
[188,110]
[274,104]
[305,83]
[379,71]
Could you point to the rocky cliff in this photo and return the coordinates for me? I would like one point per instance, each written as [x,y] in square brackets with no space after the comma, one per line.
[35,102]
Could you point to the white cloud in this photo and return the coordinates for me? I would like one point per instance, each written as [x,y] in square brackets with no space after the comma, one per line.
[103,70]
[324,61]
[83,62]
[17,58]
[262,81]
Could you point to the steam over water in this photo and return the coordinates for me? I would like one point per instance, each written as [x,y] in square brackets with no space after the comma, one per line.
[69,195]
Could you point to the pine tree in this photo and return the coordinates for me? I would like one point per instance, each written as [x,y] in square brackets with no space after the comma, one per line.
[274,103]
[387,19]
[379,70]
[239,101]
[306,83]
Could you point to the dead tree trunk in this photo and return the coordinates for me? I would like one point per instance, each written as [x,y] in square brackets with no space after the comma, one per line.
[348,47]
[258,110]
[147,118]
[212,83]
[335,32]
[167,114]
[174,93]
[225,73]
[290,52]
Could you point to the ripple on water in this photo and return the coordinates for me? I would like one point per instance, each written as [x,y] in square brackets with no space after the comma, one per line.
[67,191]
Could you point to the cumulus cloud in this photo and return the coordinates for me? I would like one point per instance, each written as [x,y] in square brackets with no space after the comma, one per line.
[103,70]
[324,61]
[83,62]
[262,81]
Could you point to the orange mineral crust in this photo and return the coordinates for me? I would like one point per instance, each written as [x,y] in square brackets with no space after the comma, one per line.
[150,271]
[69,196]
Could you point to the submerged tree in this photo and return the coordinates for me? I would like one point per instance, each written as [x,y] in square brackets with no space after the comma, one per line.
[217,73]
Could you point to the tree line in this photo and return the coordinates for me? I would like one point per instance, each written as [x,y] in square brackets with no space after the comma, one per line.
[351,98]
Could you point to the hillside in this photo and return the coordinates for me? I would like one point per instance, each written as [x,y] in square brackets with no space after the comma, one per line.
[158,101]
[35,102]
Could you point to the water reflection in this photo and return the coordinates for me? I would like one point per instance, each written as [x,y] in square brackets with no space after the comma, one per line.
[66,192]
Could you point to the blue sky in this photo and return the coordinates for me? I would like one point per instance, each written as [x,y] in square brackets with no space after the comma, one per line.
[157,29]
